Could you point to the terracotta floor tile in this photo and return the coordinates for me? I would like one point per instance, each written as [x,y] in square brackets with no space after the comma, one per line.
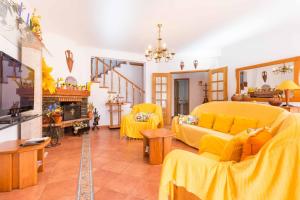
[115,166]
[60,190]
[123,183]
[119,170]
[146,189]
[106,194]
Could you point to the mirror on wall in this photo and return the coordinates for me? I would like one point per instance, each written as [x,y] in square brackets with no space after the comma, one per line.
[261,82]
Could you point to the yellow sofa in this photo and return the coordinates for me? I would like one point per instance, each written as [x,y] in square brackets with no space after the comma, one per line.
[266,115]
[273,173]
[131,128]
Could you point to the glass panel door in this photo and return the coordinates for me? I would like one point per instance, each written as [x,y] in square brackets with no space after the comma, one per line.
[218,84]
[161,94]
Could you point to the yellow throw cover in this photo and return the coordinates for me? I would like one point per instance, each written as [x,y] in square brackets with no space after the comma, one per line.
[273,173]
[131,128]
[249,113]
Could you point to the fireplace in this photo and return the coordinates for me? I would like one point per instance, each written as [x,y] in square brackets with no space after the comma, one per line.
[71,110]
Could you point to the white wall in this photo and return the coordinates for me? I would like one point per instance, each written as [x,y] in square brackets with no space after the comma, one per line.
[276,43]
[57,45]
[133,73]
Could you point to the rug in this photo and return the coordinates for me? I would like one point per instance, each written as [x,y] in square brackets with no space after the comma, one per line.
[85,179]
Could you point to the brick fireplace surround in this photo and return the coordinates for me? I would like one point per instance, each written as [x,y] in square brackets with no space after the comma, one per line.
[74,103]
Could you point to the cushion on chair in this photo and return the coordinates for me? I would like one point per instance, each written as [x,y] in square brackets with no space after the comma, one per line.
[223,123]
[206,120]
[142,116]
[234,148]
[241,123]
[254,143]
[187,119]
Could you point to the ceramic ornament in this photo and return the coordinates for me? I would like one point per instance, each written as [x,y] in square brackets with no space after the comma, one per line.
[69,59]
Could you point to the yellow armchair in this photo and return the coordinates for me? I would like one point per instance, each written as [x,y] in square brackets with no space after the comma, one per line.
[131,128]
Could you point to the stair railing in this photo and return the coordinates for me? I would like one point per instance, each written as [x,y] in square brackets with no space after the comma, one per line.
[102,69]
[135,88]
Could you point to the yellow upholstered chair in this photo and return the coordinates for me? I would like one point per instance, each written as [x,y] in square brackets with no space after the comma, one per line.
[131,128]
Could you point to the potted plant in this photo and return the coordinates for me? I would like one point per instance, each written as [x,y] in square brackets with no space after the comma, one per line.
[55,112]
[90,108]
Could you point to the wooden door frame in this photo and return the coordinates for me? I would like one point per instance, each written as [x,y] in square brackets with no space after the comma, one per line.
[169,94]
[225,79]
[188,79]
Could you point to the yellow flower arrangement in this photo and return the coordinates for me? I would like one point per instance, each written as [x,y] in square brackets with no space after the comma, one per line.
[88,85]
[48,80]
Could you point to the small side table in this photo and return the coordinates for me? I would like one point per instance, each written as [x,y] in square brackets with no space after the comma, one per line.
[157,144]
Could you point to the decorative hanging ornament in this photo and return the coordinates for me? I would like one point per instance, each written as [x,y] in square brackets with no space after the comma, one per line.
[195,63]
[181,65]
[69,59]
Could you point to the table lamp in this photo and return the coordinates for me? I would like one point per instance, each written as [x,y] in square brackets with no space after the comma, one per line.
[287,86]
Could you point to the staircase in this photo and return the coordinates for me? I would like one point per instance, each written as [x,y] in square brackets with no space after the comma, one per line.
[105,72]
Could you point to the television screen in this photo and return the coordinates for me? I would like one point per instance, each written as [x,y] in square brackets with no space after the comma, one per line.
[16,86]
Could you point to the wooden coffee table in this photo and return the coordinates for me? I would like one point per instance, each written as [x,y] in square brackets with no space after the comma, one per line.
[157,144]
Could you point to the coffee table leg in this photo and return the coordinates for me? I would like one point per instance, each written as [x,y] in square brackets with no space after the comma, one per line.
[167,146]
[156,151]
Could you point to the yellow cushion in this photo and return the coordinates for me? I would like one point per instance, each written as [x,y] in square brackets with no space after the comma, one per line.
[234,148]
[223,123]
[206,120]
[241,123]
[255,142]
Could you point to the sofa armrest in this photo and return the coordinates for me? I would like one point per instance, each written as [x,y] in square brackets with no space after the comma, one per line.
[213,144]
[175,125]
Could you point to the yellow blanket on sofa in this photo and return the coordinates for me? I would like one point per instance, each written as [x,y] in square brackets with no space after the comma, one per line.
[274,173]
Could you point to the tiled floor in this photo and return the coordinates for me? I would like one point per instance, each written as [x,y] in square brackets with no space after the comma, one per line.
[119,170]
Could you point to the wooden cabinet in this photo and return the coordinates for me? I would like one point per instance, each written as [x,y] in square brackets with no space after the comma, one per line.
[20,165]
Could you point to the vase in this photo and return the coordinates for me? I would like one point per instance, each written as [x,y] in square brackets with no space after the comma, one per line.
[69,59]
[246,98]
[236,97]
[275,101]
[57,118]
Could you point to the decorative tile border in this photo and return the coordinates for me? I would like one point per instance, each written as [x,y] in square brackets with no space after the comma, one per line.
[85,179]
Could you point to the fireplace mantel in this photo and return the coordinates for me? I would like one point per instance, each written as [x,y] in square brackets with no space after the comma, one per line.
[67,95]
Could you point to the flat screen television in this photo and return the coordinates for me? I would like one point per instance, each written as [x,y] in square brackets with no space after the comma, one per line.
[16,86]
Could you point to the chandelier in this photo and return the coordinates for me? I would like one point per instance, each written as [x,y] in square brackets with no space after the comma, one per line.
[160,52]
[284,69]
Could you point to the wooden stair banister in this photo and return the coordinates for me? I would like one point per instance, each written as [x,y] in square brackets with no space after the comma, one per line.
[129,81]
[103,67]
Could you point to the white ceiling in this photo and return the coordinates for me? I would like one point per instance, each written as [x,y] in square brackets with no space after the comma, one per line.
[130,25]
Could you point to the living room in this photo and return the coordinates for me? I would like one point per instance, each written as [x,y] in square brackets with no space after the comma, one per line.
[149,100]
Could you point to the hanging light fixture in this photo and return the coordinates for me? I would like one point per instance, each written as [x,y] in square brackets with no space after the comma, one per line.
[283,69]
[160,52]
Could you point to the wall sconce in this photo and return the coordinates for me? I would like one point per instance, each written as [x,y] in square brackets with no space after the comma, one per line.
[195,63]
[181,65]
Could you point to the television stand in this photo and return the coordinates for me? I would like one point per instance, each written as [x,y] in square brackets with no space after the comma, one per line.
[6,122]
